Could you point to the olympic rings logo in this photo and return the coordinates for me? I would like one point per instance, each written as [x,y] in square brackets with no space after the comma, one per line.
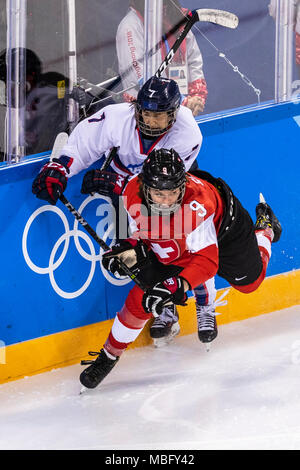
[92,256]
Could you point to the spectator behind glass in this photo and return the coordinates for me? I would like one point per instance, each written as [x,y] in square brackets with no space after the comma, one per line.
[187,64]
[46,101]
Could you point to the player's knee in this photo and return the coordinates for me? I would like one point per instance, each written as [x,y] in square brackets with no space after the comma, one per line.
[247,289]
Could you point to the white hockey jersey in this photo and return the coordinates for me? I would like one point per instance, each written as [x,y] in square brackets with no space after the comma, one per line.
[115,126]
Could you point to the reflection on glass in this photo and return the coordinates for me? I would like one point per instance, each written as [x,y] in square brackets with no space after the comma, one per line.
[45,106]
[186,67]
[3,29]
[295,24]
[218,70]
[238,64]
[297,36]
[96,52]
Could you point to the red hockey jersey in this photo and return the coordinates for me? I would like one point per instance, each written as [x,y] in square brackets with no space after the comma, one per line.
[187,238]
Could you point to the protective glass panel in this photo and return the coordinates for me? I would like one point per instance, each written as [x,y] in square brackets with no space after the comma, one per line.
[238,64]
[57,72]
[255,64]
[63,60]
[286,15]
[46,73]
[33,66]
[3,30]
[97,26]
[296,45]
[218,69]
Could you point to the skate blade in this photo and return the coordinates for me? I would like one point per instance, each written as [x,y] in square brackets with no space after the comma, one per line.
[261,198]
[165,340]
[86,391]
[207,347]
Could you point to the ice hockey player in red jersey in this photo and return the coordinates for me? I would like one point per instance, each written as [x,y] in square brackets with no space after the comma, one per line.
[155,120]
[185,230]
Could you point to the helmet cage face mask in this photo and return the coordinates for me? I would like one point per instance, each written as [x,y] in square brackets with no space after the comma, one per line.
[154,131]
[163,170]
[160,209]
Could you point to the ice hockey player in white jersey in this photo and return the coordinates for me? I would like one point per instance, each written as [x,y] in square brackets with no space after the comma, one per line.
[155,120]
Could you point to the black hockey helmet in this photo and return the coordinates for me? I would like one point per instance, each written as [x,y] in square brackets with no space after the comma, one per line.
[157,95]
[163,169]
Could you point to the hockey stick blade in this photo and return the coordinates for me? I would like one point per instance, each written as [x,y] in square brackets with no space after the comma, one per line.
[220,17]
[60,142]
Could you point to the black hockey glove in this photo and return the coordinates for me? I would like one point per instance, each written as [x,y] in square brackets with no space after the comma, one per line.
[103,182]
[51,182]
[133,253]
[169,291]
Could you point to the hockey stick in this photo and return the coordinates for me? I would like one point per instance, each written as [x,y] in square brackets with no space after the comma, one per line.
[220,17]
[109,158]
[59,143]
[101,242]
[103,245]
[115,81]
[61,140]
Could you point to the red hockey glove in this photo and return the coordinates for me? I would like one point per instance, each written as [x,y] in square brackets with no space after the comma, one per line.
[103,182]
[162,293]
[51,182]
[133,253]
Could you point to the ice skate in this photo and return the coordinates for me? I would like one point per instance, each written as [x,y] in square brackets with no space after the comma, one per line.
[265,218]
[207,324]
[165,327]
[206,320]
[98,369]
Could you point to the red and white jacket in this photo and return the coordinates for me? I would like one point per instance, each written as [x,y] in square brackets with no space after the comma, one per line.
[187,238]
[130,52]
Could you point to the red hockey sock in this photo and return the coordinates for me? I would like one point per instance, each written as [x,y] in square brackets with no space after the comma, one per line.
[128,323]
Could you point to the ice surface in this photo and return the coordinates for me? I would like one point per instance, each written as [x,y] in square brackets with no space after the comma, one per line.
[243,394]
